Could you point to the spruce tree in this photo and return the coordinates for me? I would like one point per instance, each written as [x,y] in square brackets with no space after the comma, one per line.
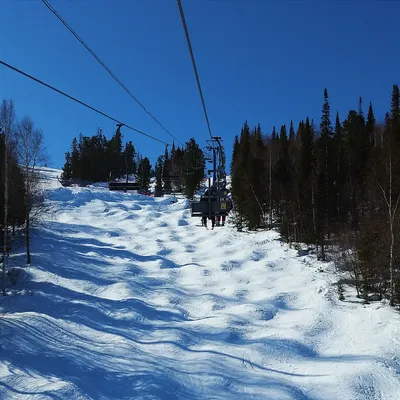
[292,135]
[240,172]
[193,167]
[158,170]
[235,154]
[75,160]
[144,172]
[370,126]
[129,158]
[167,172]
[67,168]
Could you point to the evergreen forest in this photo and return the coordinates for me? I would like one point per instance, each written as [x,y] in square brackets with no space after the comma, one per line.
[333,185]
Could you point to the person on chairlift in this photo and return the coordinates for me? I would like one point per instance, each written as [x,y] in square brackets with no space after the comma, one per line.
[204,217]
[228,201]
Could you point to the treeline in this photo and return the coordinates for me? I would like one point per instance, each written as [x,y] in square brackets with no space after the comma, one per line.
[181,169]
[336,186]
[21,200]
[92,159]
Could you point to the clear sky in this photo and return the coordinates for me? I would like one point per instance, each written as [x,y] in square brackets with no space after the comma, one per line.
[263,61]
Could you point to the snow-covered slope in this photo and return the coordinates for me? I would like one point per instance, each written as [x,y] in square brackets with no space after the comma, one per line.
[129,298]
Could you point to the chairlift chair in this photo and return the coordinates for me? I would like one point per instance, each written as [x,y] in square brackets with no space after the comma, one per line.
[212,205]
[114,184]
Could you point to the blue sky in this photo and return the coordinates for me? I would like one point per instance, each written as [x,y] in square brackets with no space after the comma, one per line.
[263,61]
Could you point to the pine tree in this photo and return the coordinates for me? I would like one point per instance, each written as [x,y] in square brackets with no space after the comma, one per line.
[240,181]
[395,104]
[75,160]
[144,172]
[235,154]
[158,170]
[167,172]
[67,168]
[292,135]
[340,173]
[324,181]
[193,165]
[129,157]
[370,126]
[342,186]
[305,181]
[283,181]
[257,180]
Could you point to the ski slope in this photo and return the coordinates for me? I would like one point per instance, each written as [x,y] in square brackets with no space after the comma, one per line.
[129,298]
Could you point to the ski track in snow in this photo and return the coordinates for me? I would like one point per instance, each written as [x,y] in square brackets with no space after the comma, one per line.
[128,298]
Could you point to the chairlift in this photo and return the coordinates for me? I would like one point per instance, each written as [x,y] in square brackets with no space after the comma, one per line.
[215,202]
[70,182]
[211,205]
[116,184]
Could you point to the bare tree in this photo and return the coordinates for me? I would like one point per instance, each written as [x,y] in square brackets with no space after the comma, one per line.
[386,182]
[31,155]
[7,123]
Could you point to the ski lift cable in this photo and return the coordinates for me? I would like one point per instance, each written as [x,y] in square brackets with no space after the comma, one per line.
[79,101]
[194,64]
[51,8]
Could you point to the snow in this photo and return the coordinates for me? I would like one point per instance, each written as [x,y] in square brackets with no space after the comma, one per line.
[128,297]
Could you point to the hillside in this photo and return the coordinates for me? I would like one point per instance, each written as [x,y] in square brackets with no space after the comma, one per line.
[128,297]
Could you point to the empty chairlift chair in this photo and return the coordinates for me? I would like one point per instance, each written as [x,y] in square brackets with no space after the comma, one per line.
[114,184]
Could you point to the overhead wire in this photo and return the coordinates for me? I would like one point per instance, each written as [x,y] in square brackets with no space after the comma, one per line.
[65,23]
[194,64]
[80,102]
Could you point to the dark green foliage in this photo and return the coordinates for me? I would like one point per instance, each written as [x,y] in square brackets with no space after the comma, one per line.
[158,171]
[193,167]
[16,189]
[373,251]
[395,105]
[67,169]
[180,170]
[129,158]
[249,183]
[75,160]
[93,158]
[235,153]
[144,173]
[370,126]
[167,172]
[338,188]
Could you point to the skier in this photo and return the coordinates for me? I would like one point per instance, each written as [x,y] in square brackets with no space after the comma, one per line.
[204,217]
[204,221]
[228,200]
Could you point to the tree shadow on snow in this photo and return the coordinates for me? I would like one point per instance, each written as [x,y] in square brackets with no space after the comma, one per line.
[96,370]
[85,257]
[126,347]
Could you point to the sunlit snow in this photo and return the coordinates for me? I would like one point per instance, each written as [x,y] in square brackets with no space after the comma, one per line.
[128,297]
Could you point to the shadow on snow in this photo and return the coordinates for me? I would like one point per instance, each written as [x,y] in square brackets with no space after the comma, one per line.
[126,348]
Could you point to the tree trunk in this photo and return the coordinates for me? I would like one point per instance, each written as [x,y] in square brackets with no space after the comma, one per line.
[5,213]
[270,186]
[313,212]
[392,208]
[28,240]
[326,202]
[391,221]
